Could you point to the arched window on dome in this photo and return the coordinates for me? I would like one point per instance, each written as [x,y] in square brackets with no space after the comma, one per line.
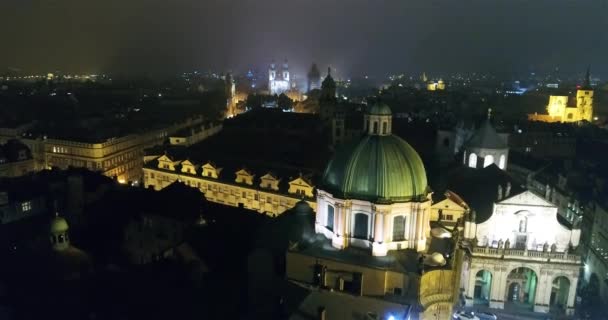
[361,226]
[473,160]
[384,127]
[399,228]
[329,224]
[488,160]
[502,161]
[375,131]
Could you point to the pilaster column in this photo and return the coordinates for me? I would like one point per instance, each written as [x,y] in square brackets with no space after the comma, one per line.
[378,226]
[321,211]
[470,290]
[572,295]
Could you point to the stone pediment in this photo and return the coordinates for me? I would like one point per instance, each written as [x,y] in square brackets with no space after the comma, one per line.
[301,182]
[527,198]
[165,158]
[447,204]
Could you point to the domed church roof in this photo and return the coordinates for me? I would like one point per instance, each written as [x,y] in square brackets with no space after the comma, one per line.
[380,109]
[59,225]
[381,169]
[486,137]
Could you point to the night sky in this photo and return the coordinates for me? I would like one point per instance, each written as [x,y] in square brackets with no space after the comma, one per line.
[354,36]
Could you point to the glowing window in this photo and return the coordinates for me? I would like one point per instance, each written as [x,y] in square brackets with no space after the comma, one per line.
[502,161]
[488,160]
[330,218]
[26,206]
[473,160]
[399,228]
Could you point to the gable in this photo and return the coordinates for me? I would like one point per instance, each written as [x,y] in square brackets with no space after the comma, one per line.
[164,158]
[208,166]
[244,172]
[528,198]
[187,163]
[269,176]
[300,182]
[447,204]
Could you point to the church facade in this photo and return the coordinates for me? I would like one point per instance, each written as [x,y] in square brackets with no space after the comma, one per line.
[559,108]
[279,80]
[522,256]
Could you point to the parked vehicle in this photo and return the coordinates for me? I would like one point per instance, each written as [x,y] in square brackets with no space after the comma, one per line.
[486,316]
[465,315]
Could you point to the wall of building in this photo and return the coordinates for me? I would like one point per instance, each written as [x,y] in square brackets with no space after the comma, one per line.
[529,216]
[450,211]
[380,235]
[195,136]
[375,282]
[545,271]
[596,263]
[253,197]
[18,168]
[14,210]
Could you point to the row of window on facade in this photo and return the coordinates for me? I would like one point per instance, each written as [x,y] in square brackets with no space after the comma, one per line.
[301,192]
[361,225]
[487,160]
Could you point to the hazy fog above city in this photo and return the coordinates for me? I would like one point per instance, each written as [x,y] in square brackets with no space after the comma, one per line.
[355,36]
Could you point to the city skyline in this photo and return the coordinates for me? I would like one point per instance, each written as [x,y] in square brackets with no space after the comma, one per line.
[358,38]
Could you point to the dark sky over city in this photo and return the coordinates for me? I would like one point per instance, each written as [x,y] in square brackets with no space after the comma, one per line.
[354,36]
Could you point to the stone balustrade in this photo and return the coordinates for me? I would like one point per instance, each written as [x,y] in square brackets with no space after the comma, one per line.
[556,257]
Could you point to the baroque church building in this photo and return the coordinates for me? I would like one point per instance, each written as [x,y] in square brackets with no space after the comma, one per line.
[519,252]
[560,108]
[279,81]
[375,192]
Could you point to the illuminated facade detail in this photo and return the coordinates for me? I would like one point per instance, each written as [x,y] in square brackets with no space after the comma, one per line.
[486,147]
[449,210]
[596,264]
[119,158]
[559,110]
[16,159]
[435,85]
[393,212]
[278,80]
[519,253]
[189,136]
[60,239]
[314,78]
[242,191]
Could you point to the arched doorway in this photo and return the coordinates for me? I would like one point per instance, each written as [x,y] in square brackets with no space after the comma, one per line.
[361,226]
[521,288]
[483,287]
[559,293]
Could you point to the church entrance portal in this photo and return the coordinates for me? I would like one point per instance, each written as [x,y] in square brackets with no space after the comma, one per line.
[521,284]
[483,287]
[559,293]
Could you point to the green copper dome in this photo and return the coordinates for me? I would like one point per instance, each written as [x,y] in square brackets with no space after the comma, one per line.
[59,225]
[380,169]
[380,109]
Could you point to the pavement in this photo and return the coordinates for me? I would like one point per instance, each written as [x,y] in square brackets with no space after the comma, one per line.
[517,314]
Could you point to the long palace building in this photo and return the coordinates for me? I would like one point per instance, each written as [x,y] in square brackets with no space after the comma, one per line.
[263,191]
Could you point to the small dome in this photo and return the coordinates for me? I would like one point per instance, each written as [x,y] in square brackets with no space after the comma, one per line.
[382,169]
[302,207]
[380,109]
[486,137]
[435,260]
[59,225]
